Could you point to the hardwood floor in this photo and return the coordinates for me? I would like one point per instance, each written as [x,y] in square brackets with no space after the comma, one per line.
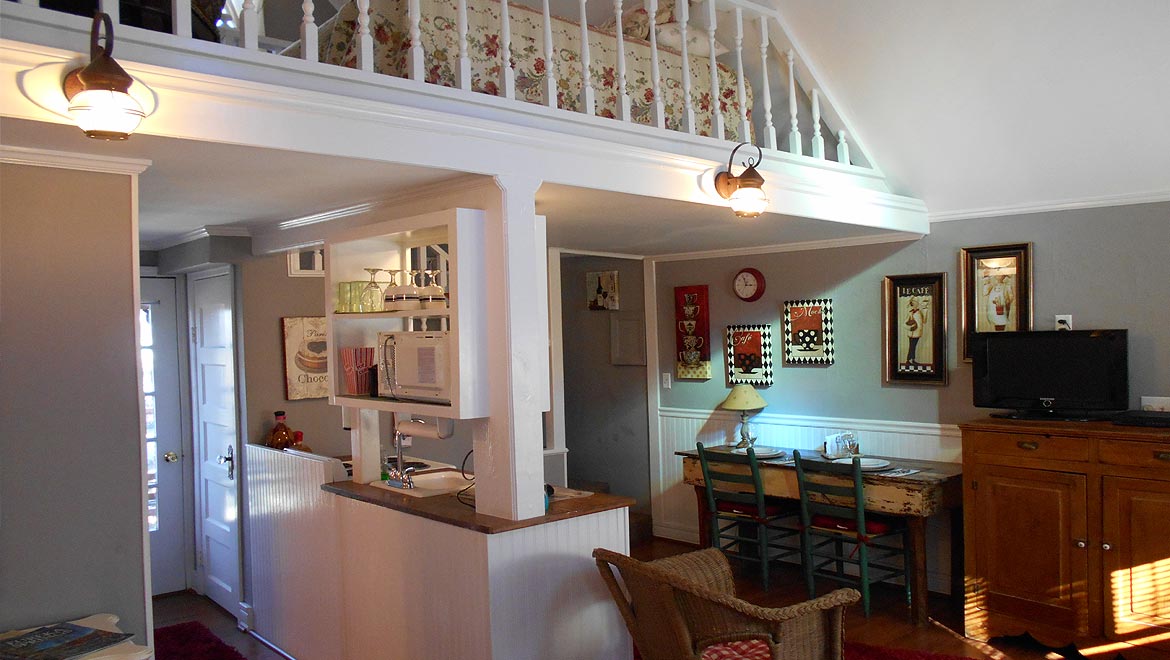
[889,625]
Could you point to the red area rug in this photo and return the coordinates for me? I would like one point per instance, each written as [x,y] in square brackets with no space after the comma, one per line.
[191,641]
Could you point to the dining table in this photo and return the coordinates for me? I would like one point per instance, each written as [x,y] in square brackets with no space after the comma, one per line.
[908,488]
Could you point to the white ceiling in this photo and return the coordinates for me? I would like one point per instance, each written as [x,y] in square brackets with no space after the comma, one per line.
[1001,103]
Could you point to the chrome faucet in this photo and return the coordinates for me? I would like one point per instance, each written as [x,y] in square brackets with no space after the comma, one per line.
[397,476]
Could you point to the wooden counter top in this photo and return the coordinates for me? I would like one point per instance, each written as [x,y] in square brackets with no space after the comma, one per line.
[1081,429]
[447,509]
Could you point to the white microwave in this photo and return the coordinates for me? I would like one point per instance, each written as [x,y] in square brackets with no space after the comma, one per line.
[414,366]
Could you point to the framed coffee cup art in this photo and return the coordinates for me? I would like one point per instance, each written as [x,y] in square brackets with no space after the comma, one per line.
[914,329]
[306,358]
[749,355]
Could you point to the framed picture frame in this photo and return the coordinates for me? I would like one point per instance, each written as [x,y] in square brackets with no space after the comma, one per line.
[307,263]
[914,329]
[749,355]
[808,332]
[306,357]
[995,289]
[692,331]
[601,290]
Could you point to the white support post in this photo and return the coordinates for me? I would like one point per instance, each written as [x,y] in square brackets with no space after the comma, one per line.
[180,18]
[309,46]
[588,95]
[507,73]
[843,148]
[250,25]
[463,66]
[365,445]
[509,445]
[793,133]
[684,12]
[110,7]
[365,59]
[716,111]
[818,141]
[550,75]
[659,108]
[745,129]
[415,58]
[623,110]
[765,88]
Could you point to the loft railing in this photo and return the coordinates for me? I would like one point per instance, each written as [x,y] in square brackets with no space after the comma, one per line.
[757,128]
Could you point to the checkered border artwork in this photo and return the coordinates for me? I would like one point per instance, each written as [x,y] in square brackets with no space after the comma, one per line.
[790,355]
[764,376]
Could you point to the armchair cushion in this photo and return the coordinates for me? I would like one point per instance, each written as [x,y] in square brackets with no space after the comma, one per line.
[751,649]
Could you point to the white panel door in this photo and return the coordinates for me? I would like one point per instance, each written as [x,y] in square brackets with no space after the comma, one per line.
[213,369]
[167,468]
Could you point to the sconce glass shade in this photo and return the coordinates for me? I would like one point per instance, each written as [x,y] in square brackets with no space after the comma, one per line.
[106,114]
[748,202]
[98,93]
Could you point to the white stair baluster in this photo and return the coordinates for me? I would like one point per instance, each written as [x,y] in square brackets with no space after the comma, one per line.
[659,108]
[309,46]
[507,73]
[684,11]
[250,25]
[588,95]
[365,54]
[623,109]
[415,58]
[112,8]
[818,141]
[463,67]
[180,18]
[794,133]
[716,111]
[745,129]
[843,148]
[550,76]
[765,88]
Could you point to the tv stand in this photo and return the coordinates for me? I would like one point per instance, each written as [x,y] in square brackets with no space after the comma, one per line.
[1057,415]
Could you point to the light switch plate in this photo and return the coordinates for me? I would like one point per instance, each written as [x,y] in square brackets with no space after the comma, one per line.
[666,380]
[1158,403]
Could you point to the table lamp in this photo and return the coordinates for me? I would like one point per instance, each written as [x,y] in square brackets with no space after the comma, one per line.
[744,397]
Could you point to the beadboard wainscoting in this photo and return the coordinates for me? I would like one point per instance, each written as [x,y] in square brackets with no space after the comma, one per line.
[673,502]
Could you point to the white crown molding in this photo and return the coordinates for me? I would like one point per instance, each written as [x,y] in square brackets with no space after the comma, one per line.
[1126,199]
[875,425]
[195,234]
[569,252]
[803,246]
[72,161]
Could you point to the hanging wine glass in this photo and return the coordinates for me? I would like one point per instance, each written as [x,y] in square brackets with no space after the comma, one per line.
[432,295]
[371,298]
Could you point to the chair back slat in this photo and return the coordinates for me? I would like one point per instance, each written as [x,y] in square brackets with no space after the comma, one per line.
[728,468]
[831,499]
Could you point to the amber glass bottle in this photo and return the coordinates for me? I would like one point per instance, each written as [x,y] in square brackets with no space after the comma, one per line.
[281,436]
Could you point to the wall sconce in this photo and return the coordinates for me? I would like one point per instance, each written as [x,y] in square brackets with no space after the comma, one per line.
[99,100]
[745,191]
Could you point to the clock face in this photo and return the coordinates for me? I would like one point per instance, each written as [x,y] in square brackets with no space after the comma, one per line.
[748,284]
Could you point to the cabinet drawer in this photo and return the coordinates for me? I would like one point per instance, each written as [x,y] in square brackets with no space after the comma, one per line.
[1020,445]
[1137,454]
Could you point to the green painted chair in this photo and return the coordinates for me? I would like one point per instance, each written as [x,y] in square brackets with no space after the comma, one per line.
[743,523]
[835,532]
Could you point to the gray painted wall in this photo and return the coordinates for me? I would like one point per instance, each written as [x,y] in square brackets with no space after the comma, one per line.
[606,428]
[71,490]
[1107,267]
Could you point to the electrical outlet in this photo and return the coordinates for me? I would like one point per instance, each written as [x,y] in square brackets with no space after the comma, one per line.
[666,380]
[1158,403]
[1064,321]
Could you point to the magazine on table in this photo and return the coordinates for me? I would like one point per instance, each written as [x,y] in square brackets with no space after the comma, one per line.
[61,641]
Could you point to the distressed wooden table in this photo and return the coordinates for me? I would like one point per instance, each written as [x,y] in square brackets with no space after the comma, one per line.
[916,497]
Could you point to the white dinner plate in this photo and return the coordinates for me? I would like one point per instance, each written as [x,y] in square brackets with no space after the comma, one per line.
[866,463]
[761,452]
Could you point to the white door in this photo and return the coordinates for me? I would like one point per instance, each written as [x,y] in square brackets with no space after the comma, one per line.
[213,376]
[169,528]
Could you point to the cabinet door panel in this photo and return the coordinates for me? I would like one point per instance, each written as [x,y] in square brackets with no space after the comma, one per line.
[1027,563]
[1137,567]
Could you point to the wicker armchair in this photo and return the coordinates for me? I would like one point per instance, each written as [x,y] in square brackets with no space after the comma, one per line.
[679,606]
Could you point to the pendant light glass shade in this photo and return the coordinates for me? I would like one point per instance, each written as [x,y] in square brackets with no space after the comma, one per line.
[748,202]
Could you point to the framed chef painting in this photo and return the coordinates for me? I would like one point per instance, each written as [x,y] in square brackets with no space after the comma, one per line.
[996,290]
[808,332]
[914,329]
[749,355]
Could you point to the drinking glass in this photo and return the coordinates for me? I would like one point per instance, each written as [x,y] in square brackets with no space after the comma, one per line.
[371,298]
[393,293]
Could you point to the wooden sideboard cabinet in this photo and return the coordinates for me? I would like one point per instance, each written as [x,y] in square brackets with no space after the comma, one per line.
[1067,533]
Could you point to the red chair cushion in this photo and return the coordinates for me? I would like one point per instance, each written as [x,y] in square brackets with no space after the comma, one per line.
[752,649]
[872,527]
[749,509]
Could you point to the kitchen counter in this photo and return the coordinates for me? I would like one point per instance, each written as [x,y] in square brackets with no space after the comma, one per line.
[447,509]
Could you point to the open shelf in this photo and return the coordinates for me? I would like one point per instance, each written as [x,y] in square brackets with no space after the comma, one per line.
[391,405]
[410,314]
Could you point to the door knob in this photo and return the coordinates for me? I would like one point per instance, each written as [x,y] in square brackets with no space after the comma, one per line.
[230,460]
[171,457]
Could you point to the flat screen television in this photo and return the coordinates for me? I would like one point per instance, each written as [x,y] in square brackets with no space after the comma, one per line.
[1065,374]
